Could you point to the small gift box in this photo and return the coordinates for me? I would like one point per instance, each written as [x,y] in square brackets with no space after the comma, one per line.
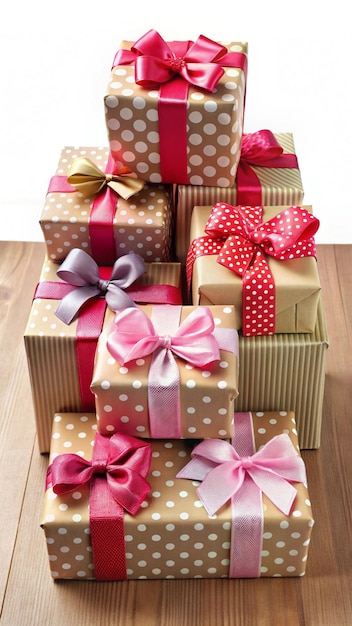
[260,259]
[171,534]
[167,372]
[268,174]
[68,313]
[284,370]
[89,205]
[174,110]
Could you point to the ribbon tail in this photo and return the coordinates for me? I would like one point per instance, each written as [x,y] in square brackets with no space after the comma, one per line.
[73,302]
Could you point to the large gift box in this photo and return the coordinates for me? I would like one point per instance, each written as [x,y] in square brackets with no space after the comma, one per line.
[167,372]
[94,210]
[286,370]
[268,174]
[174,110]
[260,259]
[65,322]
[100,524]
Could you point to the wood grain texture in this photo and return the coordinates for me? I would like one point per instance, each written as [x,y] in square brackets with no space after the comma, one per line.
[31,598]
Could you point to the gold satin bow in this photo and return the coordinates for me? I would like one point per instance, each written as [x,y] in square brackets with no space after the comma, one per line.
[87,178]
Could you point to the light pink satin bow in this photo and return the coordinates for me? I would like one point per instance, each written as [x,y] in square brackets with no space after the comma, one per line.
[223,472]
[134,337]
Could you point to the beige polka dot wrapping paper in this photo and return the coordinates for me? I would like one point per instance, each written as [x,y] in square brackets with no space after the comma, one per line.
[297,284]
[142,224]
[51,348]
[206,394]
[278,187]
[212,132]
[171,536]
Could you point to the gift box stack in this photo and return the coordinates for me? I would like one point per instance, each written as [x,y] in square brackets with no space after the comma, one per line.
[176,341]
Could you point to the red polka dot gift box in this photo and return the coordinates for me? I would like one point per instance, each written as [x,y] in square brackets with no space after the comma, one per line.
[118,507]
[93,205]
[174,110]
[71,305]
[260,259]
[268,173]
[167,372]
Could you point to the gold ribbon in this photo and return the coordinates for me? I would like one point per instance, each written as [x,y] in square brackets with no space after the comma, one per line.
[87,178]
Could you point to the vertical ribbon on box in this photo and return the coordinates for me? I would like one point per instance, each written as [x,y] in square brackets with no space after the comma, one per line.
[85,177]
[87,289]
[236,473]
[173,67]
[259,149]
[195,340]
[242,242]
[116,476]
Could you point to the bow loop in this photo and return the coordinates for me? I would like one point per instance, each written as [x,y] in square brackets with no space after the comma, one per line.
[260,147]
[82,272]
[87,178]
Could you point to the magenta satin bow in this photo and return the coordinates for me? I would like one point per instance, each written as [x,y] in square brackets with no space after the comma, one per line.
[81,271]
[157,62]
[134,337]
[223,472]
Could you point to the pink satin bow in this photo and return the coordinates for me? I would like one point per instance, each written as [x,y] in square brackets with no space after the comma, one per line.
[223,472]
[157,62]
[134,337]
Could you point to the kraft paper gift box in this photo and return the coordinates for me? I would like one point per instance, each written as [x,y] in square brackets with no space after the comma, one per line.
[286,370]
[164,372]
[268,174]
[174,110]
[104,223]
[285,303]
[60,354]
[171,535]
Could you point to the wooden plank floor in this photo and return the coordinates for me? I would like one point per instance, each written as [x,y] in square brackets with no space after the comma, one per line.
[29,597]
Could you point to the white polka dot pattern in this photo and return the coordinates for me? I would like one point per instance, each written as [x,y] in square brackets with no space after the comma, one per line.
[142,224]
[279,187]
[206,395]
[214,126]
[297,285]
[171,536]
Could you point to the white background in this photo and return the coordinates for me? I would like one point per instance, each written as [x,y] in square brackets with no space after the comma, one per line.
[55,59]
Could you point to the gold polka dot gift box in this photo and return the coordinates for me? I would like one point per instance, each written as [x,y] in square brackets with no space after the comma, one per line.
[166,371]
[71,306]
[268,174]
[93,205]
[174,110]
[260,259]
[120,507]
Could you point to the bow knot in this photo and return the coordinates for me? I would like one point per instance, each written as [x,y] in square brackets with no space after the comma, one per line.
[177,64]
[166,342]
[103,285]
[99,468]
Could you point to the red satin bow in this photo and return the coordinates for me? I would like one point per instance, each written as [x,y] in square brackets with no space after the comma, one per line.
[117,480]
[158,62]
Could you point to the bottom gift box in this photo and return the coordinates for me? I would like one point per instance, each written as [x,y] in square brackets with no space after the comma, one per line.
[117,507]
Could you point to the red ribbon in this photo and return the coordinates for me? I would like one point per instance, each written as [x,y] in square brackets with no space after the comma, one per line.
[116,476]
[101,219]
[91,317]
[173,67]
[260,149]
[242,241]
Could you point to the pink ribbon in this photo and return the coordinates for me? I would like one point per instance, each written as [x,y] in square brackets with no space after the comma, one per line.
[116,476]
[242,241]
[101,219]
[260,149]
[135,336]
[173,67]
[242,478]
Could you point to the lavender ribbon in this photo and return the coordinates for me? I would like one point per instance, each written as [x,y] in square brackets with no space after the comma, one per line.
[82,272]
